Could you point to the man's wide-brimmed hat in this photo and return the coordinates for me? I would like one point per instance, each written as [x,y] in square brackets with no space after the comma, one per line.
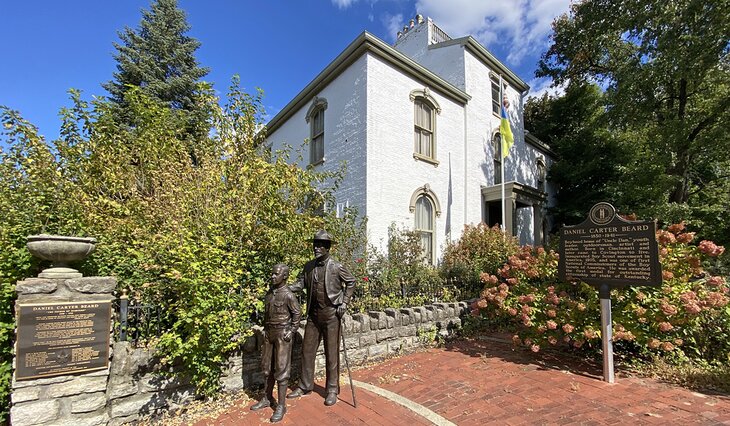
[323,235]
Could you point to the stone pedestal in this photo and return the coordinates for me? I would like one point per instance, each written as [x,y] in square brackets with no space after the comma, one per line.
[73,399]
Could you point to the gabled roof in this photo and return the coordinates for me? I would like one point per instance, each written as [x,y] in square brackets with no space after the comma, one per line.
[470,44]
[365,43]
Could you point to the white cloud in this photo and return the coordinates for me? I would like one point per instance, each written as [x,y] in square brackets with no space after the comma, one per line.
[521,25]
[392,23]
[540,86]
[343,4]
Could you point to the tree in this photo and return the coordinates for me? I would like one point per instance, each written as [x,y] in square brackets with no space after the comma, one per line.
[589,156]
[160,59]
[198,239]
[665,68]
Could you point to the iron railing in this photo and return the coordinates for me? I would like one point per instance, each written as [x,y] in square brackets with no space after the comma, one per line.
[375,296]
[135,321]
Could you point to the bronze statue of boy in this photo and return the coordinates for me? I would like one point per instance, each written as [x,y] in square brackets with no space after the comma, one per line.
[329,289]
[282,314]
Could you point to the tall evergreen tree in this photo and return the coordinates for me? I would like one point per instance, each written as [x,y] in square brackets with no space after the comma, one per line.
[159,58]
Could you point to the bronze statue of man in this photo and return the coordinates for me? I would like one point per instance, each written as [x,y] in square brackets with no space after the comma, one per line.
[282,314]
[329,287]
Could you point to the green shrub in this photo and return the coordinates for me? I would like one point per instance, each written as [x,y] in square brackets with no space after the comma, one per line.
[480,249]
[398,278]
[197,237]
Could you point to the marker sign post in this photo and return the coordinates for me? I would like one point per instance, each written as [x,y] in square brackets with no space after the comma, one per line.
[608,252]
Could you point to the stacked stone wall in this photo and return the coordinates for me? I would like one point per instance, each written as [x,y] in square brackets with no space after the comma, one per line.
[136,385]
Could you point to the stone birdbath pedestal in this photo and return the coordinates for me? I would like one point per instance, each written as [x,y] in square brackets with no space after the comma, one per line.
[60,250]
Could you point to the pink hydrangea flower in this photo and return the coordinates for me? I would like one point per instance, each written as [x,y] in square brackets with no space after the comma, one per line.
[665,237]
[711,249]
[665,327]
[676,228]
[716,281]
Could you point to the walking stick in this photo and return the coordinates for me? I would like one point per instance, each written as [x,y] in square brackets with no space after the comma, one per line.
[347,362]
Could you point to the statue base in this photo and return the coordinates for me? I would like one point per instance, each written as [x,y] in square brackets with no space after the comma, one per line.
[60,273]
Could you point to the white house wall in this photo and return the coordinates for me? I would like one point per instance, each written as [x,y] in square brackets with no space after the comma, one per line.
[344,133]
[446,62]
[519,166]
[393,174]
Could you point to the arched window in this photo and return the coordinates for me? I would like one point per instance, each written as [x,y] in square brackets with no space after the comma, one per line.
[424,125]
[497,156]
[541,174]
[315,118]
[426,207]
[425,226]
[423,129]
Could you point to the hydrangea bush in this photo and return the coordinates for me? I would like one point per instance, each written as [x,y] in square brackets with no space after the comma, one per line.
[687,316]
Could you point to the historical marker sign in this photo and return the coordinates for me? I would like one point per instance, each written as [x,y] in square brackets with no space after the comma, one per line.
[62,338]
[606,249]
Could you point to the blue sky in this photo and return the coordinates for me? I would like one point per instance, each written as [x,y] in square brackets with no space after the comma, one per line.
[276,45]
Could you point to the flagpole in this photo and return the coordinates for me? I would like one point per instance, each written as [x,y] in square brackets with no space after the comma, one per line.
[503,158]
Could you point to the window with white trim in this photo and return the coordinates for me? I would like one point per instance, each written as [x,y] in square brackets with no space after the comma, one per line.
[423,129]
[424,225]
[425,109]
[495,95]
[317,138]
[541,174]
[315,118]
[497,157]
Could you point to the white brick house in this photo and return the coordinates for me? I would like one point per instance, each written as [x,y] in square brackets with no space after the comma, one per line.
[417,123]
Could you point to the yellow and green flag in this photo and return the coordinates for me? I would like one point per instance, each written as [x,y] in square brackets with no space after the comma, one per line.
[506,132]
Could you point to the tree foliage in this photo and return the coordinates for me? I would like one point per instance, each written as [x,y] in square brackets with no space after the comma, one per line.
[159,58]
[664,67]
[589,155]
[199,239]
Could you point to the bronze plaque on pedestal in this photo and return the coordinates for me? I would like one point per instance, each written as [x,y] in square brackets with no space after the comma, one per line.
[62,338]
[606,249]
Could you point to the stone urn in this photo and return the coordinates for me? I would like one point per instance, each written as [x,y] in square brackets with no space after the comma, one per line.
[60,250]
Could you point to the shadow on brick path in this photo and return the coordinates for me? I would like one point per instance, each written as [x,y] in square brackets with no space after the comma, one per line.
[475,382]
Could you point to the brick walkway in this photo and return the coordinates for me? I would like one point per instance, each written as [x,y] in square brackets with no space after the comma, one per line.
[486,382]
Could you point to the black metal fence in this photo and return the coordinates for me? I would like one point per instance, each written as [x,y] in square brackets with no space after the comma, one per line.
[135,321]
[370,296]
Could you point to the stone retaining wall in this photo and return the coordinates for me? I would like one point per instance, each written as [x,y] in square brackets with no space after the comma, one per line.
[134,386]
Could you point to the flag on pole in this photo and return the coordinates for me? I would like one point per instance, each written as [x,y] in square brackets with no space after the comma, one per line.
[506,132]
